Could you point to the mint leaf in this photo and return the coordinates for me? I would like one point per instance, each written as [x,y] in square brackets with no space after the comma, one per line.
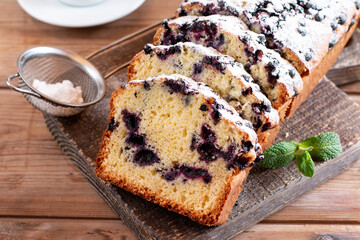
[279,154]
[324,147]
[305,164]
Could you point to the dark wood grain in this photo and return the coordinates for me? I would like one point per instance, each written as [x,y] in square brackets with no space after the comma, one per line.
[265,191]
[344,76]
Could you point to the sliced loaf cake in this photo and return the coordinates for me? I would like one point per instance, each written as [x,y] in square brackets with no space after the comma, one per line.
[277,78]
[222,73]
[175,142]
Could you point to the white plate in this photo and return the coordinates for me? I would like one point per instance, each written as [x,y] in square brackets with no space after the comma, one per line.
[59,14]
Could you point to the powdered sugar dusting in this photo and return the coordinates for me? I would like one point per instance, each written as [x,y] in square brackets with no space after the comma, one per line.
[63,92]
[306,28]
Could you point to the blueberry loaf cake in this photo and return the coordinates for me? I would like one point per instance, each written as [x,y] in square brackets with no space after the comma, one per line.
[277,78]
[173,140]
[302,31]
[222,73]
[196,165]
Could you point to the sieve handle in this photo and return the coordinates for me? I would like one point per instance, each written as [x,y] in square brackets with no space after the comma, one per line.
[18,89]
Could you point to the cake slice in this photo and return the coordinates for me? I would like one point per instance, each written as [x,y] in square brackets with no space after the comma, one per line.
[222,73]
[277,78]
[284,24]
[174,142]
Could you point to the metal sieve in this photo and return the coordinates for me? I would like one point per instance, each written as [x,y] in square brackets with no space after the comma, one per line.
[52,65]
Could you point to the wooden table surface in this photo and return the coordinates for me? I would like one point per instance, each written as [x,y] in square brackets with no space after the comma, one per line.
[43,196]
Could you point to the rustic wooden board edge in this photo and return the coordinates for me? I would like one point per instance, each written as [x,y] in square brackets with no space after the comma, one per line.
[87,170]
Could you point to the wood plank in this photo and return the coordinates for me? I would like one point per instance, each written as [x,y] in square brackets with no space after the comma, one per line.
[350,54]
[355,98]
[37,179]
[344,76]
[301,232]
[353,88]
[23,32]
[335,201]
[27,228]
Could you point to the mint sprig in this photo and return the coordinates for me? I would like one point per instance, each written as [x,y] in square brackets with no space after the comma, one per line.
[322,147]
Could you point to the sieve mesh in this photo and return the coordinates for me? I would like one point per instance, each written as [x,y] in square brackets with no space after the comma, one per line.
[53,69]
[51,66]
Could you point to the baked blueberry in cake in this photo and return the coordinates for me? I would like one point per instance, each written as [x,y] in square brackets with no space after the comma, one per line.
[175,142]
[302,31]
[277,78]
[222,73]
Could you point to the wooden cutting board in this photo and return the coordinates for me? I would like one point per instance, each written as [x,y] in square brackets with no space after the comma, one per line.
[265,192]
